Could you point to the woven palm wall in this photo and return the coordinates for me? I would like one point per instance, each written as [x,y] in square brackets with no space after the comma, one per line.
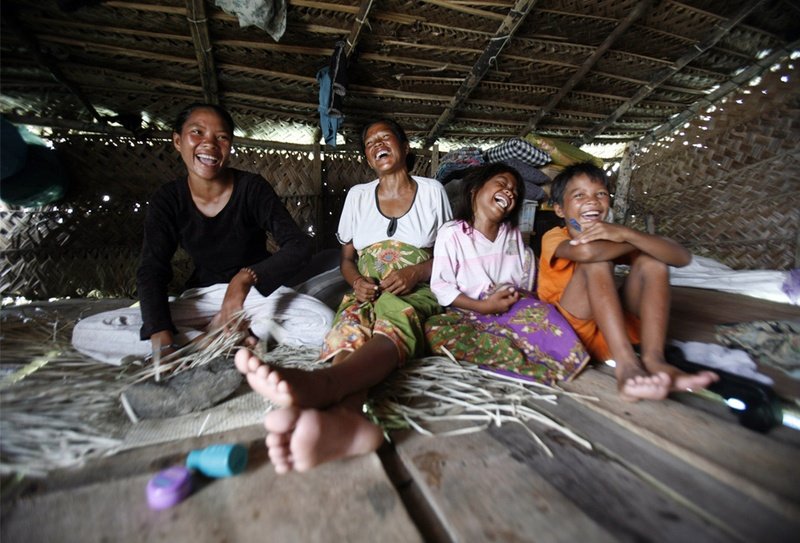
[727,184]
[89,244]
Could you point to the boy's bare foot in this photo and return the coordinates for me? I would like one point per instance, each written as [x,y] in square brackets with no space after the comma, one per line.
[634,383]
[286,387]
[299,439]
[680,380]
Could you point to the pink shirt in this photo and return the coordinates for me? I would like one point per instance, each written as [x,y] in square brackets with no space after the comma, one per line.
[466,262]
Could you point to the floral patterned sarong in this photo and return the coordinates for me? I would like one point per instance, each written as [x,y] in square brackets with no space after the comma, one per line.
[399,318]
[531,339]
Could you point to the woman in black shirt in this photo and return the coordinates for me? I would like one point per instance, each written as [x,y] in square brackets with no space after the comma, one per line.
[220,216]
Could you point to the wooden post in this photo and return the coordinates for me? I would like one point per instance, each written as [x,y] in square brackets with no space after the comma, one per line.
[623,184]
[434,159]
[316,171]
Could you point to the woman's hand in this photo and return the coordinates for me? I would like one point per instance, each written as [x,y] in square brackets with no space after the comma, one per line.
[401,281]
[162,343]
[233,304]
[366,289]
[501,300]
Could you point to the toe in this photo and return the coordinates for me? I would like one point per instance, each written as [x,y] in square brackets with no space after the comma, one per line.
[241,358]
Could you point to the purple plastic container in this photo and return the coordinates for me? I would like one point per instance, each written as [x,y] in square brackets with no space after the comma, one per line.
[169,487]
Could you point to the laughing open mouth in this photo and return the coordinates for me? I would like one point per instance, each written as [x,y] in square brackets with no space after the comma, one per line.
[591,215]
[502,201]
[208,160]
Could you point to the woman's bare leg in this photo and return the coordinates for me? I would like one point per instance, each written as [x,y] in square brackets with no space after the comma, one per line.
[358,371]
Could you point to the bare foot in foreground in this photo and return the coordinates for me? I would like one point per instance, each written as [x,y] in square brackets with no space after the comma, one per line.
[682,381]
[634,383]
[285,387]
[299,439]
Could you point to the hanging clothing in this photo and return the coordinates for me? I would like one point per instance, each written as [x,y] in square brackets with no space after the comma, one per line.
[329,124]
[332,88]
[268,15]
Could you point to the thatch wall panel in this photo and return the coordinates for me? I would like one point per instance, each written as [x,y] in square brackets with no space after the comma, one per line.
[728,185]
[89,244]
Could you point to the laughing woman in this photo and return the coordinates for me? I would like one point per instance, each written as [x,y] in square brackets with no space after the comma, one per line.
[220,216]
[387,230]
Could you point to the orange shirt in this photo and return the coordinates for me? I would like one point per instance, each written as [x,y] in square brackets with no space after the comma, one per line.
[554,273]
[554,276]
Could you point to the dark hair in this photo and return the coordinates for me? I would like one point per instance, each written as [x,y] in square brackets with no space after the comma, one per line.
[184,114]
[588,169]
[398,132]
[475,179]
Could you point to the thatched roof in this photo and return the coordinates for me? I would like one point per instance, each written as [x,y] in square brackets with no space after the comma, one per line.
[469,71]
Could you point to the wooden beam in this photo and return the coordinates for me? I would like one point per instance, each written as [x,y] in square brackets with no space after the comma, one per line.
[91,128]
[355,31]
[663,75]
[30,41]
[198,25]
[641,8]
[504,33]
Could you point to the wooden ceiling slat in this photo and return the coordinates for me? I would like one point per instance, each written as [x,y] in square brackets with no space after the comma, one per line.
[455,6]
[170,10]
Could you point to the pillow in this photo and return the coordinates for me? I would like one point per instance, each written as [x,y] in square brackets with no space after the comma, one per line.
[562,152]
[518,149]
[531,177]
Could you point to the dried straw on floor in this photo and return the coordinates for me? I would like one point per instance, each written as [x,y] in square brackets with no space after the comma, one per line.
[439,396]
[62,409]
[58,409]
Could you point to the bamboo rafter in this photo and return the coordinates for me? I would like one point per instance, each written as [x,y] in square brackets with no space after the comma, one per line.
[198,25]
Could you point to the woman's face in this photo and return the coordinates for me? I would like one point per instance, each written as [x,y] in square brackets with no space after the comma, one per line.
[385,153]
[204,144]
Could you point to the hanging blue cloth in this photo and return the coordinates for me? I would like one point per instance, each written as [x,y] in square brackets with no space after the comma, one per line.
[332,88]
[329,120]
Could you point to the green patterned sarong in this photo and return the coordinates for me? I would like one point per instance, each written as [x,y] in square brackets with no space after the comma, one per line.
[400,318]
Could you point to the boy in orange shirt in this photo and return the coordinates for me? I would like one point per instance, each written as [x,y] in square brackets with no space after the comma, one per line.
[576,274]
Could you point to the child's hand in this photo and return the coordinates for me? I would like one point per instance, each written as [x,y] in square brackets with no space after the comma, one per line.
[501,300]
[601,231]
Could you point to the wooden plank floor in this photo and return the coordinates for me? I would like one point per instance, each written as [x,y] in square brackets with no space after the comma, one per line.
[680,470]
[105,501]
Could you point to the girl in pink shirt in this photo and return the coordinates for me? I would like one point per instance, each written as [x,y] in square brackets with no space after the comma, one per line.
[484,274]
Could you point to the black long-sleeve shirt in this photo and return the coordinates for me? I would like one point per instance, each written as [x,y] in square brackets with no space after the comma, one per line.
[219,246]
